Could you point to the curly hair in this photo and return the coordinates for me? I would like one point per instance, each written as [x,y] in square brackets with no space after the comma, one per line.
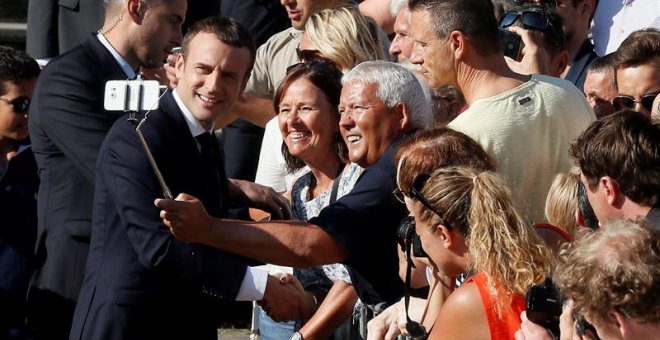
[614,268]
[500,243]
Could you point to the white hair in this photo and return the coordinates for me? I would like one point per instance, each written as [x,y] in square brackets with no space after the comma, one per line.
[395,85]
[396,6]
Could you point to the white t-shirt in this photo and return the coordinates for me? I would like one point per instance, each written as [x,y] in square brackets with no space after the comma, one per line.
[528,131]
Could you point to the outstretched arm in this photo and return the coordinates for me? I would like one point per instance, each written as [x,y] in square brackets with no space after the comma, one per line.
[288,243]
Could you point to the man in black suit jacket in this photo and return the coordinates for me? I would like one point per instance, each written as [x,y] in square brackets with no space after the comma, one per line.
[56,26]
[141,282]
[67,126]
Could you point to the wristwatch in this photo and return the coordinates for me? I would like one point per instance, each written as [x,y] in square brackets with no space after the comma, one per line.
[296,336]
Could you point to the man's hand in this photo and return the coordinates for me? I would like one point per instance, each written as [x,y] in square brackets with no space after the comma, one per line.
[186,217]
[261,197]
[392,322]
[531,331]
[170,72]
[285,299]
[534,58]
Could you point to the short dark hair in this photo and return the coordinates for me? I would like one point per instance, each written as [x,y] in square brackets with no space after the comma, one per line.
[327,78]
[15,66]
[626,147]
[227,30]
[474,18]
[604,64]
[640,47]
[588,214]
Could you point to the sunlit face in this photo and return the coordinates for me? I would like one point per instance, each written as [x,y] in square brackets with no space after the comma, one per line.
[308,121]
[300,10]
[639,80]
[14,126]
[367,125]
[160,32]
[442,258]
[402,45]
[600,90]
[431,53]
[211,77]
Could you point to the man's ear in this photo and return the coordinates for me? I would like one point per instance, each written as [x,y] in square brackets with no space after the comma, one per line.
[614,196]
[136,10]
[402,116]
[179,66]
[587,9]
[559,64]
[621,323]
[458,45]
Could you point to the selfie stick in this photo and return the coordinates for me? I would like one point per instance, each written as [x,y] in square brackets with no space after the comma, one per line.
[133,119]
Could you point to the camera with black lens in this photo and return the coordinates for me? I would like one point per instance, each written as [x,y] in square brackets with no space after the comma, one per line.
[408,238]
[544,305]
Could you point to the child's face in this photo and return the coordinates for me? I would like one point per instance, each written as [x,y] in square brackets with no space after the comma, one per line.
[13,125]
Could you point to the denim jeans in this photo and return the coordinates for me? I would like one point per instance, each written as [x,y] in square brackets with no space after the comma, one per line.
[272,330]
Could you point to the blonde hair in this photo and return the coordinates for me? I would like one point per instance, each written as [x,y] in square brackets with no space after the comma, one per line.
[501,244]
[562,202]
[344,36]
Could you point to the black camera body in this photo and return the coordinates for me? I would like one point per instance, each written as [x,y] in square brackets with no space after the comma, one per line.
[544,305]
[407,237]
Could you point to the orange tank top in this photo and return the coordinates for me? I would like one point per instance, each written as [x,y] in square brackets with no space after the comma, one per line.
[505,327]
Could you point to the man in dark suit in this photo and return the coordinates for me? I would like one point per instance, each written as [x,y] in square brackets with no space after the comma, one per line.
[67,126]
[141,282]
[56,26]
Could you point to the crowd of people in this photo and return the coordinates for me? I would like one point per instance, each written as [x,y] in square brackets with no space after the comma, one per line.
[415,168]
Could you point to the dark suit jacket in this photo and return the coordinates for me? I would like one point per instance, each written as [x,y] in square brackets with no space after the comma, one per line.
[67,126]
[56,26]
[578,71]
[18,230]
[141,282]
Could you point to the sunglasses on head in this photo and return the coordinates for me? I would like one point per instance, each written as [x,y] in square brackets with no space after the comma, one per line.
[416,193]
[315,66]
[621,102]
[309,55]
[20,104]
[529,19]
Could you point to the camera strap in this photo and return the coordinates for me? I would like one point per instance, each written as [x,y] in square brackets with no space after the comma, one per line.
[415,330]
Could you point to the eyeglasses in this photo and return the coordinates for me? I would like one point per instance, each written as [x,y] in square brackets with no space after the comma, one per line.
[416,193]
[20,104]
[621,102]
[530,20]
[309,55]
[315,66]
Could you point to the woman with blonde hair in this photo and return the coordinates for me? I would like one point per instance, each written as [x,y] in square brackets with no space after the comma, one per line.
[331,33]
[467,222]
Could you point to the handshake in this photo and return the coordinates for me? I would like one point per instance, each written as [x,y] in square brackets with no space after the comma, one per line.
[285,299]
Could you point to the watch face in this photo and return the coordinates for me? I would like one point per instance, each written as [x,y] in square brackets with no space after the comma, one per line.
[296,336]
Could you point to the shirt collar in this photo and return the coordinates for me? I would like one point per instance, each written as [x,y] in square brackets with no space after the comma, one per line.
[130,73]
[194,125]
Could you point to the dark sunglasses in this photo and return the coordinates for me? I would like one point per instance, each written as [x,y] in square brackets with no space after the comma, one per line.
[309,55]
[621,102]
[529,19]
[315,66]
[20,104]
[416,193]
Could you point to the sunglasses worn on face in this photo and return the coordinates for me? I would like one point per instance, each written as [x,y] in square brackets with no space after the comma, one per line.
[621,102]
[20,104]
